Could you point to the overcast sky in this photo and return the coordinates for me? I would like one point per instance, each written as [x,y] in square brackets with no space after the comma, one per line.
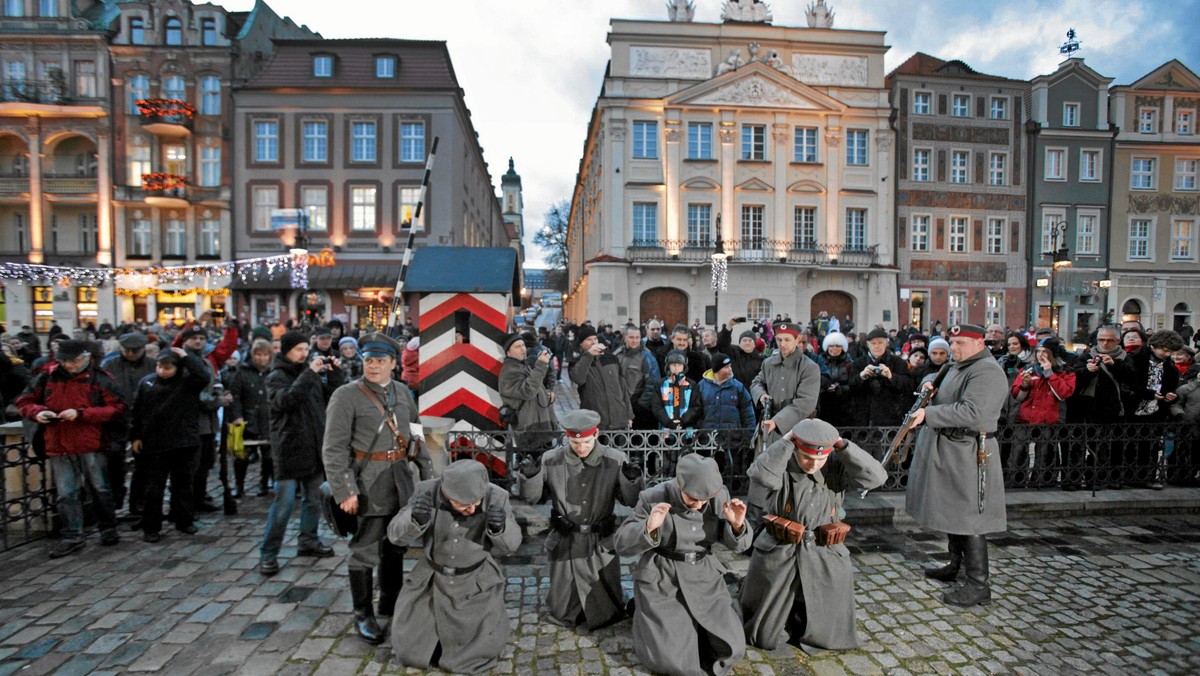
[532,69]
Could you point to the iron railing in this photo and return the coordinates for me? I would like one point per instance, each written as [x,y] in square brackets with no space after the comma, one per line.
[26,496]
[52,92]
[755,251]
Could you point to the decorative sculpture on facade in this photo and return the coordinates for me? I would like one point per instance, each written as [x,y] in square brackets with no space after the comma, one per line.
[732,62]
[748,11]
[681,10]
[819,16]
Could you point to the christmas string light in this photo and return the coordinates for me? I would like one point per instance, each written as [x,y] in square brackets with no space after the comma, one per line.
[247,270]
[142,293]
[720,273]
[299,270]
[163,108]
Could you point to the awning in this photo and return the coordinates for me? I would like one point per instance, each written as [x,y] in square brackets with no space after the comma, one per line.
[340,276]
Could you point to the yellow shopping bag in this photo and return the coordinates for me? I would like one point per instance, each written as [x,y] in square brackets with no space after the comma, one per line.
[235,440]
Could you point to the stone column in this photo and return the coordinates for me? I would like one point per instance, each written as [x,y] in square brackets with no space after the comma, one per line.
[729,216]
[104,189]
[779,230]
[833,179]
[671,194]
[37,235]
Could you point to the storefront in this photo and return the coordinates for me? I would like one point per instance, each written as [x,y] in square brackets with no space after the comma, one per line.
[142,299]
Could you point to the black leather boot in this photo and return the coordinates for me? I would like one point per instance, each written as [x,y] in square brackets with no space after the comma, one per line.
[391,579]
[975,559]
[948,572]
[364,615]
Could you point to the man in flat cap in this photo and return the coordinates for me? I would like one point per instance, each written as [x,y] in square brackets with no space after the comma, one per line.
[880,385]
[790,380]
[800,586]
[374,455]
[955,484]
[127,367]
[685,621]
[451,613]
[523,388]
[583,480]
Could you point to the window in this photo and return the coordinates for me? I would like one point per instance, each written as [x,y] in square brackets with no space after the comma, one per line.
[752,227]
[89,237]
[1185,122]
[409,197]
[85,79]
[22,234]
[1147,120]
[266,200]
[412,142]
[362,208]
[1181,239]
[856,147]
[1085,234]
[1185,173]
[997,169]
[645,224]
[699,224]
[316,141]
[14,76]
[700,141]
[1142,174]
[385,66]
[856,229]
[139,159]
[173,32]
[174,87]
[1089,165]
[1139,238]
[1055,171]
[137,31]
[362,142]
[210,95]
[759,308]
[961,106]
[210,166]
[922,103]
[14,7]
[323,66]
[140,238]
[208,32]
[209,245]
[921,164]
[999,110]
[958,234]
[995,235]
[175,240]
[645,140]
[994,314]
[1070,114]
[139,88]
[920,232]
[315,202]
[1049,233]
[804,228]
[754,142]
[960,166]
[43,308]
[266,141]
[804,146]
[956,303]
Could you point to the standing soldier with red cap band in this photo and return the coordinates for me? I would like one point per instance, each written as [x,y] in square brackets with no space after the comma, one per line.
[800,586]
[790,380]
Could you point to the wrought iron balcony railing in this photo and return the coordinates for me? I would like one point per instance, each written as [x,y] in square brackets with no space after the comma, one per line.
[755,250]
[52,92]
[171,117]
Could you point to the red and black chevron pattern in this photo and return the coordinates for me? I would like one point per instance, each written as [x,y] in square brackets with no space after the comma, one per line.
[461,381]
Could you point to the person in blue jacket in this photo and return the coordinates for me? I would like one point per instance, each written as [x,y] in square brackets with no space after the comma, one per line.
[727,403]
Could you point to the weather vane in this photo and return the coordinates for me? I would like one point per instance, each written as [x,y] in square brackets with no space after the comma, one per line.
[1071,46]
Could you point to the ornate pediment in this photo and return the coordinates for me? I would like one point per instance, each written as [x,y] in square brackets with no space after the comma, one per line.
[755,185]
[1170,75]
[756,85]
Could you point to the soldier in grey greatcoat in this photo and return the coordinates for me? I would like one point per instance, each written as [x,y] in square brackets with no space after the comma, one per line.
[583,480]
[372,472]
[790,379]
[522,387]
[685,621]
[451,613]
[800,588]
[943,492]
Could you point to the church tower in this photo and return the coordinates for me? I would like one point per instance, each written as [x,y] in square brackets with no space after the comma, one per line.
[511,205]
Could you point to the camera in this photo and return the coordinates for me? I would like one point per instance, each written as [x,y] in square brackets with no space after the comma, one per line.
[739,320]
[218,389]
[876,368]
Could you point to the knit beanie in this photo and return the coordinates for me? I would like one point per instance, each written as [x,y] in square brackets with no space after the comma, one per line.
[348,340]
[289,340]
[939,342]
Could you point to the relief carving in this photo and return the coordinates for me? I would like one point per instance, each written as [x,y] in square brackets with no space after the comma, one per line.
[960,200]
[670,62]
[957,271]
[728,132]
[950,133]
[816,69]
[673,132]
[617,130]
[1148,101]
[754,91]
[1159,203]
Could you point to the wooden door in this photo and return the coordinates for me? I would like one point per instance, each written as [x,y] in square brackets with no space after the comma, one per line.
[668,305]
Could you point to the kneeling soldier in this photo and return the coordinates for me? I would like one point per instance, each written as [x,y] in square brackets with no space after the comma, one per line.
[583,480]
[685,620]
[450,614]
[801,583]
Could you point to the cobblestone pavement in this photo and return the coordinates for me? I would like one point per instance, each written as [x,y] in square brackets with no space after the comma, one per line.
[1115,595]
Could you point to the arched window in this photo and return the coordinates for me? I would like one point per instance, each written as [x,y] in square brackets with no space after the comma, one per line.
[173,31]
[139,88]
[759,308]
[174,87]
[1182,315]
[1131,311]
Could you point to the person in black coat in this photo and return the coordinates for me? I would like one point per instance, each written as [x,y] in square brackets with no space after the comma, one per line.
[880,385]
[835,401]
[1153,386]
[247,384]
[165,437]
[747,360]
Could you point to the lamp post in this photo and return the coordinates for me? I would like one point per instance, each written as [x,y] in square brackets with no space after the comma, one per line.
[720,270]
[1060,260]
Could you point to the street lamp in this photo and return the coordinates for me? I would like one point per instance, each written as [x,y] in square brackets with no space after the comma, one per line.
[1105,284]
[720,273]
[1061,260]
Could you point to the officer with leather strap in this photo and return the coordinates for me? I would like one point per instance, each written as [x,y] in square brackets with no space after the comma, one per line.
[374,456]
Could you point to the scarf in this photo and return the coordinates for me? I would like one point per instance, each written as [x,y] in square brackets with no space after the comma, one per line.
[1182,368]
[1154,376]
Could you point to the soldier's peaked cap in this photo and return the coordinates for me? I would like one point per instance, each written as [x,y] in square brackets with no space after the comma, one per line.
[790,328]
[465,481]
[699,476]
[814,437]
[379,345]
[580,423]
[967,331]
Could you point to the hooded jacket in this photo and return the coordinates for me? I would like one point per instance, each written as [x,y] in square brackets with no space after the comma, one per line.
[677,402]
[167,411]
[726,405]
[297,419]
[91,392]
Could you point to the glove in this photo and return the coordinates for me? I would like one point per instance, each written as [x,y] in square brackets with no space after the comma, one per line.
[421,508]
[529,466]
[496,519]
[631,470]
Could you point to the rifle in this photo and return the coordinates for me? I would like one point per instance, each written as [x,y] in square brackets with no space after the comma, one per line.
[763,408]
[898,450]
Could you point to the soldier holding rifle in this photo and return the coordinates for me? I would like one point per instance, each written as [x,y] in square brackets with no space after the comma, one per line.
[790,380]
[955,485]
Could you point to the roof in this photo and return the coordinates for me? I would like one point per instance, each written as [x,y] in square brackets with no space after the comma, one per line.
[340,276]
[927,65]
[460,269]
[423,64]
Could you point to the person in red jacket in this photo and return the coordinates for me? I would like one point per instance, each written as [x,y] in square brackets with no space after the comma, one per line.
[1041,390]
[74,401]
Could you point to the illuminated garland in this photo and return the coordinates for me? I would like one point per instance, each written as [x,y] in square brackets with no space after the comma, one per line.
[160,108]
[247,270]
[161,182]
[142,293]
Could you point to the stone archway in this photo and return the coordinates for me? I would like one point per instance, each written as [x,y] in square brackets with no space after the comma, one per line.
[670,306]
[834,303]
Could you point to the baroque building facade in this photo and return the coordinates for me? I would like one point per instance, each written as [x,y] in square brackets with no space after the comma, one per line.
[773,140]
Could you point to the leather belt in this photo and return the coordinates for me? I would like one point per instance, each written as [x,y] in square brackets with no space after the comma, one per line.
[380,456]
[685,557]
[604,527]
[450,570]
[956,433]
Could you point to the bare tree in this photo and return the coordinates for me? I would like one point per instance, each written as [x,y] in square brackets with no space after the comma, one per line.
[552,238]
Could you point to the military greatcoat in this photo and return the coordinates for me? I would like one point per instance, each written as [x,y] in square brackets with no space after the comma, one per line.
[794,383]
[779,571]
[942,481]
[585,574]
[677,599]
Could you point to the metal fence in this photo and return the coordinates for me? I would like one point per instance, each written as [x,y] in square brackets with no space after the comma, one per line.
[26,496]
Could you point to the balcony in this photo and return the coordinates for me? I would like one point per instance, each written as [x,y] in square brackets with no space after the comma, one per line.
[68,185]
[167,191]
[51,92]
[166,117]
[14,186]
[755,251]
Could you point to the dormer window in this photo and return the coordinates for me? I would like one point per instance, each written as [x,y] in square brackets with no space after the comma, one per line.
[385,66]
[173,32]
[137,31]
[208,32]
[323,66]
